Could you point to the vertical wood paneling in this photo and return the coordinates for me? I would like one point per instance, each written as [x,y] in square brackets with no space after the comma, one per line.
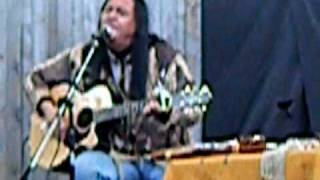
[171,28]
[193,50]
[27,63]
[170,21]
[40,27]
[90,18]
[193,36]
[52,27]
[165,19]
[154,15]
[3,90]
[78,21]
[28,33]
[35,30]
[180,33]
[64,21]
[3,17]
[12,116]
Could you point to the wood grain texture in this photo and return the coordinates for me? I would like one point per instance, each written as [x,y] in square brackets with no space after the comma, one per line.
[3,89]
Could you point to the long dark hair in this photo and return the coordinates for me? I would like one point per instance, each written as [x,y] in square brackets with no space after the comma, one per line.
[139,49]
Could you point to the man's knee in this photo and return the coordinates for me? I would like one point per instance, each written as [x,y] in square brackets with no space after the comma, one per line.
[129,171]
[94,165]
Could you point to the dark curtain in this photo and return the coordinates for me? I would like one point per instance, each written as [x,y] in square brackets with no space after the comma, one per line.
[262,60]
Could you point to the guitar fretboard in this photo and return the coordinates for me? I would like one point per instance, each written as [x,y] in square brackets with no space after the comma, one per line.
[119,111]
[179,100]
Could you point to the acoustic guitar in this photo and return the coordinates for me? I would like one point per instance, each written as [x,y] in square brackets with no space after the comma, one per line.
[99,102]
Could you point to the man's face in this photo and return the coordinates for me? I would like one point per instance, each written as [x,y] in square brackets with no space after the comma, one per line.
[120,17]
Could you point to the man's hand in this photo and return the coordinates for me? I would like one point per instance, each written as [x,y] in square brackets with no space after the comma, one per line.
[49,107]
[59,91]
[152,107]
[49,110]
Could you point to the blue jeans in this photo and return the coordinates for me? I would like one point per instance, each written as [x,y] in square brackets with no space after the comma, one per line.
[97,165]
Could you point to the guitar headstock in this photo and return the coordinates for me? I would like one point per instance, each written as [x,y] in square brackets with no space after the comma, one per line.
[193,97]
[190,97]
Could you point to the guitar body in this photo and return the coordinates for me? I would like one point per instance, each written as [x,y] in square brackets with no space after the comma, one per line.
[99,100]
[56,152]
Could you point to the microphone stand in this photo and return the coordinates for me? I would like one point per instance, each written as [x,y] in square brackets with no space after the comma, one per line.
[61,110]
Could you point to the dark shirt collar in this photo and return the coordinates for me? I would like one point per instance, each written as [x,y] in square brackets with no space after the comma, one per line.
[124,55]
[115,58]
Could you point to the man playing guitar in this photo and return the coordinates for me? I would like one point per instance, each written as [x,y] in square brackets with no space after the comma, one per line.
[126,69]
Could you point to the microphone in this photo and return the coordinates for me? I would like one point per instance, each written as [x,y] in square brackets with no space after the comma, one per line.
[106,33]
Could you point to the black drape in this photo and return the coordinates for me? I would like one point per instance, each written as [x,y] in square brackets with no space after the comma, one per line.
[261,58]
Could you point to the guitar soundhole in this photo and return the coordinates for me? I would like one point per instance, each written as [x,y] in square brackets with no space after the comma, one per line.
[85,118]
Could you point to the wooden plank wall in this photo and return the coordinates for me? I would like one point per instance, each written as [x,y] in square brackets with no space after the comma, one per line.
[33,30]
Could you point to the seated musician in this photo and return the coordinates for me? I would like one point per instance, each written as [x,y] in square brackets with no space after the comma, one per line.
[131,63]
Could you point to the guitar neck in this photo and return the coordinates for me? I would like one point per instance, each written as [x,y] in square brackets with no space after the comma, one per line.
[119,111]
[167,102]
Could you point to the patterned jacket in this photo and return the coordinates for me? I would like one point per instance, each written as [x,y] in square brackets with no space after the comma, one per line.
[144,133]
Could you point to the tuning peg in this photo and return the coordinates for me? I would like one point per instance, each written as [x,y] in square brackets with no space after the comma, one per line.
[204,108]
[205,90]
[197,109]
[188,89]
[182,104]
